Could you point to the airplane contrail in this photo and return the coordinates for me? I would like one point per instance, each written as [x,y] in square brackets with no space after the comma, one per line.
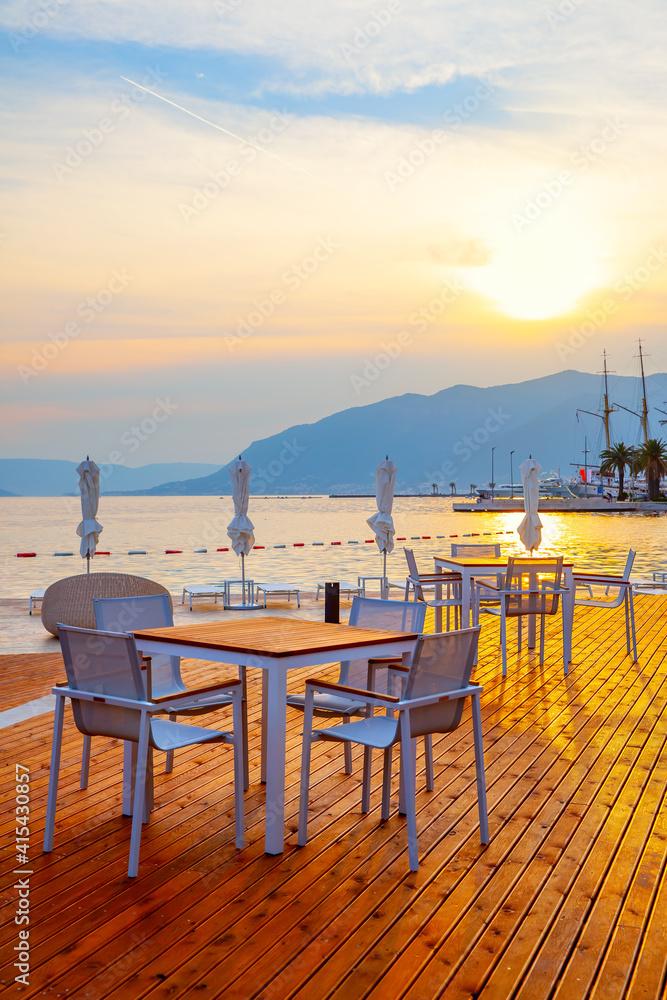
[219,127]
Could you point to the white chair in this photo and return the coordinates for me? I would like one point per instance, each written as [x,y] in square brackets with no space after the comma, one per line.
[418,583]
[108,696]
[368,612]
[127,614]
[476,550]
[531,587]
[617,591]
[479,550]
[432,702]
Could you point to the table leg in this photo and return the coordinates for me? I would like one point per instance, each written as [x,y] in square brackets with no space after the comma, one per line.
[265,716]
[568,616]
[275,763]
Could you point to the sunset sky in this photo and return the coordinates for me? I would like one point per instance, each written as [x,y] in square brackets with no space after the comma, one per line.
[458,191]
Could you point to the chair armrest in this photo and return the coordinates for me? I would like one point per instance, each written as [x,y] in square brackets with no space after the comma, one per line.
[490,586]
[146,662]
[433,699]
[359,693]
[585,578]
[382,661]
[193,692]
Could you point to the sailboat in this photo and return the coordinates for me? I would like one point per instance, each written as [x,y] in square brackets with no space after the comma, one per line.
[586,486]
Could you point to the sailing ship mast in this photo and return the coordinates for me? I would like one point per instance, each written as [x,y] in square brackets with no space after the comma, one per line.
[643,416]
[607,409]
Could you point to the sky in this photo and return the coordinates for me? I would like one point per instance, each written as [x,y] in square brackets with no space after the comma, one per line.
[220,219]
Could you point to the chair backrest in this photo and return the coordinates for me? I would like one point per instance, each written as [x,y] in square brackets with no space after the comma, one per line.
[537,579]
[412,563]
[440,663]
[394,616]
[476,551]
[103,663]
[125,614]
[629,564]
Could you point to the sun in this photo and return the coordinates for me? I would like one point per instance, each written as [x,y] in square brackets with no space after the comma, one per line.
[540,272]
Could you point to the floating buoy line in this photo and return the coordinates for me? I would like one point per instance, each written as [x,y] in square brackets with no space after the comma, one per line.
[281,545]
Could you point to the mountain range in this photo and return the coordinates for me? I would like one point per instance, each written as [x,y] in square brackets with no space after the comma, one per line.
[443,438]
[46,477]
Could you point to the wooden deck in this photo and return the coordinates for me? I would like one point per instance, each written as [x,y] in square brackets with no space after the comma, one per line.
[569,899]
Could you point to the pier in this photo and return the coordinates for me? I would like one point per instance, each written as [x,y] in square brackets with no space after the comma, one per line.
[567,900]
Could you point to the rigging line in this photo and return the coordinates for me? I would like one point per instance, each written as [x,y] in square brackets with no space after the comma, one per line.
[219,127]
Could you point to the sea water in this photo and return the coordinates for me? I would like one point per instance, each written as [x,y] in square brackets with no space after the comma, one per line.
[46,525]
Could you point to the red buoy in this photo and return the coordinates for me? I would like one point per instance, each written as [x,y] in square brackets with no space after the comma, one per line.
[258,546]
[335,543]
[173,552]
[298,544]
[26,555]
[224,550]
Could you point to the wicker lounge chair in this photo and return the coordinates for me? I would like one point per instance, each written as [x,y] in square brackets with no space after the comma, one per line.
[70,601]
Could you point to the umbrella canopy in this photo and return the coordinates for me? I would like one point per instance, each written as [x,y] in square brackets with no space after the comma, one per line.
[90,528]
[530,529]
[240,528]
[382,523]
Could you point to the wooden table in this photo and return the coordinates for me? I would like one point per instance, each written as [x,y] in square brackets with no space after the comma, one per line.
[469,568]
[275,645]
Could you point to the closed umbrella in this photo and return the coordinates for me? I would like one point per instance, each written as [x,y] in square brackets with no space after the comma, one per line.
[530,529]
[382,522]
[90,528]
[241,529]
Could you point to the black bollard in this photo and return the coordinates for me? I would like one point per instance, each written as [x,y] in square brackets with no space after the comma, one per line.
[332,603]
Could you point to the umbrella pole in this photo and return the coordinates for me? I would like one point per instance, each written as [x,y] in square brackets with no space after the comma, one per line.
[87,562]
[384,573]
[243,599]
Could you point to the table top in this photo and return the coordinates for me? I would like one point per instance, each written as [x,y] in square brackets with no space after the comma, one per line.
[469,561]
[276,637]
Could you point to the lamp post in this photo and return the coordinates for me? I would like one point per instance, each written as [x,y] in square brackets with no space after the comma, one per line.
[511,477]
[493,482]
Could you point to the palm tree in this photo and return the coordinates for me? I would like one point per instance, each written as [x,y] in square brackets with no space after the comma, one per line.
[452,487]
[615,459]
[652,459]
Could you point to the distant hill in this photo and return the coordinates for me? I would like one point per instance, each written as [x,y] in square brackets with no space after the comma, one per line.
[6,493]
[443,438]
[37,477]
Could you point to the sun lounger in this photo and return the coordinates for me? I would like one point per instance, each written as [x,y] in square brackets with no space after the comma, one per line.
[37,595]
[203,590]
[350,589]
[278,588]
